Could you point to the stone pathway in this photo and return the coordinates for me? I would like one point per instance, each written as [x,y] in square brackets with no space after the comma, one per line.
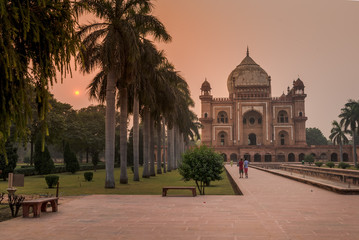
[272,207]
[326,183]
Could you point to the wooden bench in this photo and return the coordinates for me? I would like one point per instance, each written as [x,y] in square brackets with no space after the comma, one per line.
[38,205]
[165,189]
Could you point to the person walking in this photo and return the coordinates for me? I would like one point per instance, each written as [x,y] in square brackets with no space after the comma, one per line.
[246,163]
[240,164]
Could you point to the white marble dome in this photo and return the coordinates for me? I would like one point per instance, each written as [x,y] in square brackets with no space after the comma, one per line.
[247,73]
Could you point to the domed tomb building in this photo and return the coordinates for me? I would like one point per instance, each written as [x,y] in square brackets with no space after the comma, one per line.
[252,124]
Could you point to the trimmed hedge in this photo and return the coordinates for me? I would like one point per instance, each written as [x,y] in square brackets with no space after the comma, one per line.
[318,164]
[330,164]
[88,176]
[343,165]
[52,180]
[30,171]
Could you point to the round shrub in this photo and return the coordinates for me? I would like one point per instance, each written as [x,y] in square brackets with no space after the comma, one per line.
[88,176]
[330,164]
[309,159]
[52,180]
[343,165]
[318,164]
[203,165]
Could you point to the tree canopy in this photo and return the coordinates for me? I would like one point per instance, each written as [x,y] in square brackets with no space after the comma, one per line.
[38,39]
[315,137]
[203,165]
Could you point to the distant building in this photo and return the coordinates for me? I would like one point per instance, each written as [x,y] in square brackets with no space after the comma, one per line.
[252,124]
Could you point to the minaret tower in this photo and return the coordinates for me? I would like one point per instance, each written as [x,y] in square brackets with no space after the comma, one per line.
[206,114]
[299,112]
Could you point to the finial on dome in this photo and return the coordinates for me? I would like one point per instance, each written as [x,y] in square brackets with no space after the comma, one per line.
[247,51]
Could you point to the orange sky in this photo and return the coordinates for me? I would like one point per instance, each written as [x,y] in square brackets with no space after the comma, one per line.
[316,40]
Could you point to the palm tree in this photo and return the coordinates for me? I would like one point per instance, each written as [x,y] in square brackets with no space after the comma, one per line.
[350,118]
[159,144]
[136,137]
[164,144]
[113,44]
[152,148]
[146,140]
[338,136]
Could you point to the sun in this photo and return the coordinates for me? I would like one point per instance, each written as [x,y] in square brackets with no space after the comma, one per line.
[77,92]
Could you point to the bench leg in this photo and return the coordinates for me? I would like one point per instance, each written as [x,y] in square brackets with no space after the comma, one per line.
[194,193]
[164,192]
[37,209]
[54,205]
[25,211]
[43,207]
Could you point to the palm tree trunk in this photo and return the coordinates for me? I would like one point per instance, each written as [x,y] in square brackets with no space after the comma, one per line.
[172,149]
[164,144]
[182,147]
[159,155]
[152,148]
[110,129]
[341,152]
[31,152]
[175,147]
[355,150]
[136,138]
[123,135]
[146,115]
[169,146]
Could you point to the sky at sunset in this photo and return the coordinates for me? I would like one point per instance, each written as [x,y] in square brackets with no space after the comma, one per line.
[317,40]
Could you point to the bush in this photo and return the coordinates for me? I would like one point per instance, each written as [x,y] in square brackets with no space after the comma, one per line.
[30,171]
[318,164]
[52,180]
[203,165]
[88,176]
[343,165]
[309,159]
[330,164]
[70,159]
[42,159]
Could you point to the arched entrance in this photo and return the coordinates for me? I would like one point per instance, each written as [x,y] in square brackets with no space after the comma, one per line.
[257,157]
[233,157]
[247,157]
[323,157]
[252,128]
[345,157]
[334,157]
[224,157]
[291,157]
[280,157]
[301,157]
[268,157]
[222,138]
[252,139]
[283,138]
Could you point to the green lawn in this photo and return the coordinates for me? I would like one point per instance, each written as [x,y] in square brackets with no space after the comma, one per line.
[74,184]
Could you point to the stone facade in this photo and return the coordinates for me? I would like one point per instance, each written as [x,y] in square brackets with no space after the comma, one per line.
[252,124]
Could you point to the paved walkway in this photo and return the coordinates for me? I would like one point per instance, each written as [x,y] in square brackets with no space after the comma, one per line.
[272,207]
[335,186]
